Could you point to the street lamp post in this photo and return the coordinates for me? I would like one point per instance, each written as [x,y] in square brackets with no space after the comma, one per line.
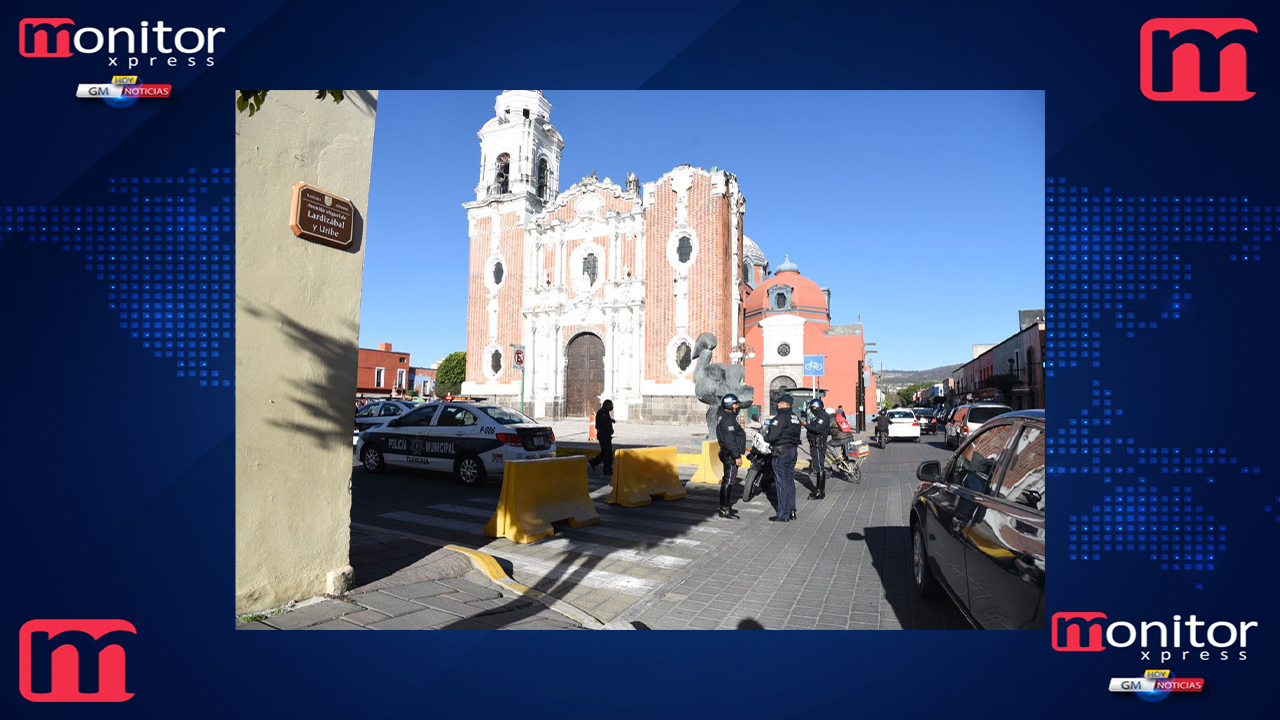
[862,391]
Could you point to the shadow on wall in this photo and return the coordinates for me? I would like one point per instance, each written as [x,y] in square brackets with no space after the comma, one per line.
[327,409]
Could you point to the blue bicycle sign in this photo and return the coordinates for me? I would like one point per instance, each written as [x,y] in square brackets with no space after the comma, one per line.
[813,365]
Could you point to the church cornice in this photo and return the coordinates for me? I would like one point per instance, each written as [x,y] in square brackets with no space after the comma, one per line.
[584,186]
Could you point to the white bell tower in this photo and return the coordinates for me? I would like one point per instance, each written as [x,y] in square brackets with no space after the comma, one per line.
[520,151]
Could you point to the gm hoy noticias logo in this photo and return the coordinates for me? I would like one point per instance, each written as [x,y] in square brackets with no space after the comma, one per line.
[1189,639]
[74,660]
[146,45]
[1197,59]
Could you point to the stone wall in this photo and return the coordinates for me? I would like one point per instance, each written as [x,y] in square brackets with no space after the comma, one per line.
[675,409]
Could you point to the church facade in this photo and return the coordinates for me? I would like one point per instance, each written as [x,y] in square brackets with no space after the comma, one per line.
[605,286]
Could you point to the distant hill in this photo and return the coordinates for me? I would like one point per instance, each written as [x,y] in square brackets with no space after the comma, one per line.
[901,378]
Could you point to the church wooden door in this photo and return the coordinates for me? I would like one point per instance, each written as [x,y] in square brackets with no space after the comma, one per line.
[584,376]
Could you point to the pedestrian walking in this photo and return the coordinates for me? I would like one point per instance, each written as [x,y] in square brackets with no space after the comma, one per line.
[817,430]
[733,444]
[784,435]
[604,433]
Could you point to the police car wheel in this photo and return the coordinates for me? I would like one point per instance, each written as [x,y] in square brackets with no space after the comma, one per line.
[469,470]
[372,460]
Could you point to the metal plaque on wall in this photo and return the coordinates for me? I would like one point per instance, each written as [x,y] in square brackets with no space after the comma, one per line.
[321,216]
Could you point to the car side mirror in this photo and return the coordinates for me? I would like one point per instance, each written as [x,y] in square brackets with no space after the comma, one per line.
[929,471]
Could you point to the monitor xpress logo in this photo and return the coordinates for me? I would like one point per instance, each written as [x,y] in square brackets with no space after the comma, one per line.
[1085,632]
[74,660]
[143,46]
[1197,59]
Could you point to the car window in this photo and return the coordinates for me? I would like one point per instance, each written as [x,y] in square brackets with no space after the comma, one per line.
[505,416]
[368,410]
[973,467]
[984,413]
[1023,481]
[389,410]
[454,416]
[419,417]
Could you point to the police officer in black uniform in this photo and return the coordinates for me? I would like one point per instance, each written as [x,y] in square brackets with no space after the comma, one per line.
[733,444]
[817,430]
[784,435]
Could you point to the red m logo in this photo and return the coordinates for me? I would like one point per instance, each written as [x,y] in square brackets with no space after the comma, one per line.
[41,37]
[1069,632]
[74,660]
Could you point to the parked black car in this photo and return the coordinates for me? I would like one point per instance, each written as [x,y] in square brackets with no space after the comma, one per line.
[928,423]
[978,524]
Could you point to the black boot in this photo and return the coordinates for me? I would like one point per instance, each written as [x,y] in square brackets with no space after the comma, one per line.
[821,491]
[725,510]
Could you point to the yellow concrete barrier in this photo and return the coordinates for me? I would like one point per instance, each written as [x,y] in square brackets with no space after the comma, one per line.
[640,474]
[710,469]
[536,493]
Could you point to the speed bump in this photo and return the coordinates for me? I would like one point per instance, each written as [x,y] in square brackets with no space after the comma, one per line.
[536,493]
[640,474]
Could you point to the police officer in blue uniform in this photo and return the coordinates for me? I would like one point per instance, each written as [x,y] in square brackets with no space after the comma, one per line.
[733,444]
[784,435]
[817,430]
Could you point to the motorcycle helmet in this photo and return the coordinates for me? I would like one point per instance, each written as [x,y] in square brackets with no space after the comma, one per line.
[815,405]
[728,401]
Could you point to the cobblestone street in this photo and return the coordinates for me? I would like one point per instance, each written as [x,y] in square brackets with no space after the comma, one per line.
[845,564]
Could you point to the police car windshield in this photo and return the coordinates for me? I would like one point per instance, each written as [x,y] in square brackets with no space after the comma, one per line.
[505,416]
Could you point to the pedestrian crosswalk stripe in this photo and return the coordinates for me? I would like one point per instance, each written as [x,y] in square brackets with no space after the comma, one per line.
[666,562]
[625,515]
[467,526]
[576,574]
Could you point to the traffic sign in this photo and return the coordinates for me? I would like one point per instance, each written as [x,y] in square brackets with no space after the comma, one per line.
[517,357]
[814,365]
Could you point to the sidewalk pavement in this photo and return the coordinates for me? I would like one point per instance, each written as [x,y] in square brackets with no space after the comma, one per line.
[440,591]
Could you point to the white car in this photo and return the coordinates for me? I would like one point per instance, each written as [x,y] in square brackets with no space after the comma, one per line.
[471,439]
[903,423]
[968,418]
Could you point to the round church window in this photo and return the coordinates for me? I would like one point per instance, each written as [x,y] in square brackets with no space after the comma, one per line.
[684,249]
[784,349]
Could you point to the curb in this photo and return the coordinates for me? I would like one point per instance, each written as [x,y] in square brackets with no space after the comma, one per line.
[485,564]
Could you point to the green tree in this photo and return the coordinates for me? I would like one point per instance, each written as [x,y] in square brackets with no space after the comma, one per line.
[904,395]
[451,373]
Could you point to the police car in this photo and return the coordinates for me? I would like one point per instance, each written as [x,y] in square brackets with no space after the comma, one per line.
[465,436]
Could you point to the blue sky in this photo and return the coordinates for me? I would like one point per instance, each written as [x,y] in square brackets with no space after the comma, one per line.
[921,210]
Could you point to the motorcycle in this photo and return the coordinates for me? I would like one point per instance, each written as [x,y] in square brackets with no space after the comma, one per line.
[841,452]
[760,474]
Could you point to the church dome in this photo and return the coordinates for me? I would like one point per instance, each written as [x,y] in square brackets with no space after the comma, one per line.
[751,251]
[798,293]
